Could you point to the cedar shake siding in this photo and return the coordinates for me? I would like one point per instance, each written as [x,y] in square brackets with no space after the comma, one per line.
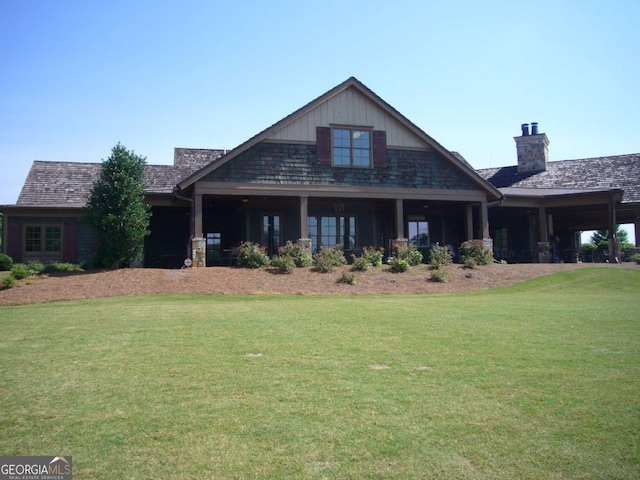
[276,163]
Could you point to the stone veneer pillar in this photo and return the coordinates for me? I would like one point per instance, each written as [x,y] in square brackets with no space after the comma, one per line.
[198,252]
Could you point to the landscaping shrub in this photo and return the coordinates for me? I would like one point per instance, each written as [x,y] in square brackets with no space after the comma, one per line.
[398,265]
[6,262]
[252,255]
[19,271]
[636,258]
[440,256]
[348,278]
[439,275]
[61,267]
[469,262]
[35,267]
[361,264]
[7,282]
[327,259]
[371,257]
[477,251]
[283,263]
[300,255]
[408,253]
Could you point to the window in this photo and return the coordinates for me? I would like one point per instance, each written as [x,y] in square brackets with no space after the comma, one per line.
[351,147]
[332,231]
[501,242]
[43,240]
[271,233]
[419,233]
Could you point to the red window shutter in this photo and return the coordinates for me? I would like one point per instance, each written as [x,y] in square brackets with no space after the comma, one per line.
[380,149]
[323,145]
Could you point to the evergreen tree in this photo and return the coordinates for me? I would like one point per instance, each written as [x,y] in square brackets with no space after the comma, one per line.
[601,237]
[117,211]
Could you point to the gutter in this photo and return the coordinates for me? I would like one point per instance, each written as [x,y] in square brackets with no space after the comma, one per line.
[497,203]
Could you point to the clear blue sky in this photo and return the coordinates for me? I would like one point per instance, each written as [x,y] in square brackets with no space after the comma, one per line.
[77,77]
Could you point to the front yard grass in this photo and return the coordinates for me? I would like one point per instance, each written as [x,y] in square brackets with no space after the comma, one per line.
[539,380]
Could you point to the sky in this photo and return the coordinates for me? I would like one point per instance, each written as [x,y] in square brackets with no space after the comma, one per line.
[78,77]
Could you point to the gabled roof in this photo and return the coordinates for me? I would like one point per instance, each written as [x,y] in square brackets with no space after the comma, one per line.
[580,176]
[351,82]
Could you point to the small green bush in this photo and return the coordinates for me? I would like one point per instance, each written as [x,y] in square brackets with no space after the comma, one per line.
[252,255]
[398,265]
[469,262]
[476,250]
[300,255]
[440,256]
[35,267]
[361,264]
[283,263]
[373,255]
[6,262]
[636,258]
[327,259]
[408,253]
[348,278]
[61,267]
[439,275]
[7,282]
[20,271]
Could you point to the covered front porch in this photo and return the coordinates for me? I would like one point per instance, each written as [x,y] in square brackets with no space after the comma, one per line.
[329,218]
[545,225]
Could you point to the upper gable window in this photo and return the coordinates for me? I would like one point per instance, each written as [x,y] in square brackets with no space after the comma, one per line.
[351,147]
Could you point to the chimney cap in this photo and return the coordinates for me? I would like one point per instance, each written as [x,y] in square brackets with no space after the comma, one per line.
[525,129]
[534,128]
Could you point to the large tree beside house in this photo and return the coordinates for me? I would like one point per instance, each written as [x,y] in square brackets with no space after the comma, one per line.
[117,211]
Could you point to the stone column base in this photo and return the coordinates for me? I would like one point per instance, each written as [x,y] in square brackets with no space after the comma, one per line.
[199,252]
[544,255]
[306,244]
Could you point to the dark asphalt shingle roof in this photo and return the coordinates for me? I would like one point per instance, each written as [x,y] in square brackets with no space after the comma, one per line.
[618,171]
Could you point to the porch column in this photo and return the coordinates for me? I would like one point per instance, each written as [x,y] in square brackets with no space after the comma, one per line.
[400,218]
[543,231]
[636,224]
[304,239]
[469,229]
[613,238]
[543,237]
[484,220]
[197,216]
[304,217]
[198,245]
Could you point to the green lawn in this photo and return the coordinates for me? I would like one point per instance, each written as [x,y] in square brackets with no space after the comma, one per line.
[541,380]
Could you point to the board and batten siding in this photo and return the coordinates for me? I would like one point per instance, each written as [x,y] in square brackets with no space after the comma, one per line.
[349,107]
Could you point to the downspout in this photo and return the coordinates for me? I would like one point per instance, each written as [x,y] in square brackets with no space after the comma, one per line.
[177,196]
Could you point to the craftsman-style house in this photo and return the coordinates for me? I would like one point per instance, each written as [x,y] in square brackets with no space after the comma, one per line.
[347,169]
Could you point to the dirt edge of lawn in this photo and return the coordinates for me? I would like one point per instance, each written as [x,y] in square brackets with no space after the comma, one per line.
[304,281]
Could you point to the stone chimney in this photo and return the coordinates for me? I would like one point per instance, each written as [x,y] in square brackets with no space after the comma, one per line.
[533,149]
